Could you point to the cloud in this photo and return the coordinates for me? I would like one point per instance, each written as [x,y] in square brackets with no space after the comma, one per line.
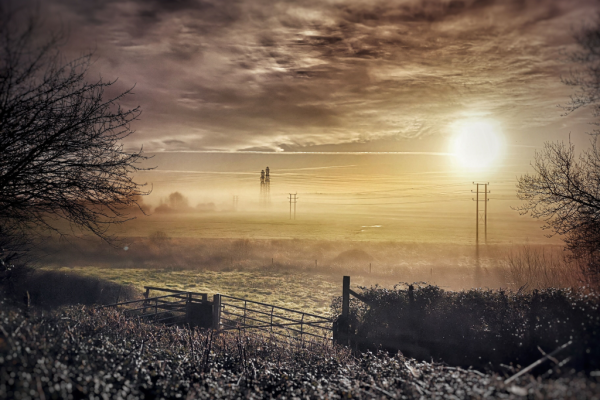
[268,75]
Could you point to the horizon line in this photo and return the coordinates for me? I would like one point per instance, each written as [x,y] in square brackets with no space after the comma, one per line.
[430,153]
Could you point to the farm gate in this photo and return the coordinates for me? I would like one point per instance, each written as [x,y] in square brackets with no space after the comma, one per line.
[229,313]
[284,324]
[177,307]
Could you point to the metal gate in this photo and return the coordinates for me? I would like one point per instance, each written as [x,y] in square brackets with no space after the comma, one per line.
[178,307]
[283,324]
[229,313]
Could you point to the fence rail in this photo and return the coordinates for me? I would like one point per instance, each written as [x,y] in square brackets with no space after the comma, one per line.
[297,327]
[229,313]
[170,309]
[170,305]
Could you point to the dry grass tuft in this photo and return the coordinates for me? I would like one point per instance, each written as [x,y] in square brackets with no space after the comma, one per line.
[534,267]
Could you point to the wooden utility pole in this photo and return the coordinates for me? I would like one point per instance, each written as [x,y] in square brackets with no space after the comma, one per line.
[485,204]
[293,199]
[479,217]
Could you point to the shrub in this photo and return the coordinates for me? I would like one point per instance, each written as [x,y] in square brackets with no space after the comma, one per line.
[84,353]
[481,328]
[530,268]
[50,289]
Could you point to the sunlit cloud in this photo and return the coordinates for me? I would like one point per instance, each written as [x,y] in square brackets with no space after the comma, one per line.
[253,74]
[326,153]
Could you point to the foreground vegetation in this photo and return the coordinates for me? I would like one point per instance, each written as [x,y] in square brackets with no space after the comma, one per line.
[83,352]
[489,327]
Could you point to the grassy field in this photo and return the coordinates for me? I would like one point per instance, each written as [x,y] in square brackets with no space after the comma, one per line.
[303,291]
[411,226]
[304,274]
[297,264]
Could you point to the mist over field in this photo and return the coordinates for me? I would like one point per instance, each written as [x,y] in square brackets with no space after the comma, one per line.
[383,249]
[383,219]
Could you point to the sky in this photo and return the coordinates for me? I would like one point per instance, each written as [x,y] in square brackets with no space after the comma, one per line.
[286,75]
[373,90]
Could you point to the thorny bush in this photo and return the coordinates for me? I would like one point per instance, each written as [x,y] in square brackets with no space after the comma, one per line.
[88,353]
[480,328]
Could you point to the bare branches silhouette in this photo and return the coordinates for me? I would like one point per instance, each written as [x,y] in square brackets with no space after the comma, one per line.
[61,151]
[564,191]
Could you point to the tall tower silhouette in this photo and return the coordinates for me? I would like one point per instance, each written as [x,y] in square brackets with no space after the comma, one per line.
[262,187]
[267,186]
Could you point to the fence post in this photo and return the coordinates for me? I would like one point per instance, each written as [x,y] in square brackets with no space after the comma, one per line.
[346,297]
[216,312]
[341,327]
[146,295]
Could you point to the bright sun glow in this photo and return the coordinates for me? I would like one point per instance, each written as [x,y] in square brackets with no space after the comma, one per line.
[477,143]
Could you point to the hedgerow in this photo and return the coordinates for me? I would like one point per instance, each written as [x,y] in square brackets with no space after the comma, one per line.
[82,352]
[481,328]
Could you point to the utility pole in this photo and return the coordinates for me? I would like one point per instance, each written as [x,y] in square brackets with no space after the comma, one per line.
[235,203]
[485,204]
[478,215]
[293,199]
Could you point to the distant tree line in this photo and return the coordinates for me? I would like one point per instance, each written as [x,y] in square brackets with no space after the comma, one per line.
[178,203]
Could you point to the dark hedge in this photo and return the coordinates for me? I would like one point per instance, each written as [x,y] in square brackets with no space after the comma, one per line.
[85,353]
[480,328]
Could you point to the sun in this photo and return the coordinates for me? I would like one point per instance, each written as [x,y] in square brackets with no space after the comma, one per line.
[477,144]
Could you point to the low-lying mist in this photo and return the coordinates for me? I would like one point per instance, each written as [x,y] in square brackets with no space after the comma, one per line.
[449,266]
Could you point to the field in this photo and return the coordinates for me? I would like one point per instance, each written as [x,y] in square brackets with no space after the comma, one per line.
[290,263]
[296,265]
[278,288]
[409,225]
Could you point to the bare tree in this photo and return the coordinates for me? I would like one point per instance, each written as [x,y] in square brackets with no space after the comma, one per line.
[584,75]
[564,189]
[61,151]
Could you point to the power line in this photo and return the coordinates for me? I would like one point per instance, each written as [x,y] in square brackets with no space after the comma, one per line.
[385,204]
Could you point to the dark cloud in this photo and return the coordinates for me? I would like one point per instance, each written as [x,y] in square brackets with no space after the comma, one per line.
[238,74]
